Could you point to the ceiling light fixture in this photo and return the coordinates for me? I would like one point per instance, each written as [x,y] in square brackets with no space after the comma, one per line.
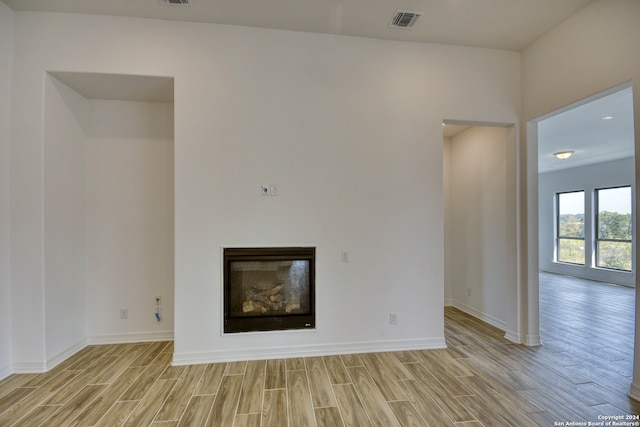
[607,118]
[563,155]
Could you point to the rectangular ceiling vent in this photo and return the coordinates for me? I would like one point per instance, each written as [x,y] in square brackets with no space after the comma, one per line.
[177,2]
[405,18]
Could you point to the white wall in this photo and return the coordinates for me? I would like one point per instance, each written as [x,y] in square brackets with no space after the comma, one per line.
[590,52]
[6,62]
[481,259]
[587,178]
[349,129]
[129,220]
[65,237]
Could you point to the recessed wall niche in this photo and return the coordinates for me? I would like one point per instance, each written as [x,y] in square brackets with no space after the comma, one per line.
[109,203]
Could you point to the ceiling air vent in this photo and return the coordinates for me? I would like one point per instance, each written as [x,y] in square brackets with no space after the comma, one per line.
[405,18]
[177,2]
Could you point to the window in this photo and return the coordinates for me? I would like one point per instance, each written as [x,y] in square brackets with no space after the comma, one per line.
[613,228]
[570,227]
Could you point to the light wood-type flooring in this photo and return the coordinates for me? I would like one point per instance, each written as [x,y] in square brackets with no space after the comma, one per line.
[581,373]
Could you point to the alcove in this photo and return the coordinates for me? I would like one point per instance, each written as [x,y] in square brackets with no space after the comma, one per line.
[108,209]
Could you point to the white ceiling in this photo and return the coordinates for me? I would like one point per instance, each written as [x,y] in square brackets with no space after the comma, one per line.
[498,24]
[582,129]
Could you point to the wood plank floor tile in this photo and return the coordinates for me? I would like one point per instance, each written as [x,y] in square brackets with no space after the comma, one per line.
[351,408]
[151,351]
[300,406]
[406,414]
[319,383]
[124,361]
[252,388]
[197,411]
[147,378]
[582,371]
[101,404]
[224,407]
[14,381]
[380,414]
[274,409]
[441,395]
[295,364]
[275,374]
[177,401]
[336,370]
[211,378]
[236,368]
[328,417]
[383,377]
[75,405]
[149,406]
[351,360]
[247,420]
[14,397]
[424,404]
[117,415]
[37,416]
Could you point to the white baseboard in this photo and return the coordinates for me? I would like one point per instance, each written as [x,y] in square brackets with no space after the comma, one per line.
[217,356]
[65,354]
[5,371]
[131,337]
[532,340]
[514,337]
[480,315]
[40,367]
[634,392]
[29,368]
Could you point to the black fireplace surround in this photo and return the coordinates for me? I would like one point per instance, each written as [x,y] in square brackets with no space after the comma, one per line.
[269,289]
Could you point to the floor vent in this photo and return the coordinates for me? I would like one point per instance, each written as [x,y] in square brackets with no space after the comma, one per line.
[405,18]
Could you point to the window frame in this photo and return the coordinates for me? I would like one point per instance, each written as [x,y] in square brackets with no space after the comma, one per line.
[596,234]
[558,228]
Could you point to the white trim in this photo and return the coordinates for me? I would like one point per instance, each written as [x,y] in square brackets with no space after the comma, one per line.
[514,337]
[29,368]
[480,315]
[305,351]
[131,337]
[65,354]
[5,371]
[634,392]
[532,340]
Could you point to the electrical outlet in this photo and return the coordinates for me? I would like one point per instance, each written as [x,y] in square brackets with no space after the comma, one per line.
[124,313]
[345,256]
[393,318]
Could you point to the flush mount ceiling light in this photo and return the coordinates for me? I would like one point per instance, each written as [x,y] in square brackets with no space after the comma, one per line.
[607,118]
[563,155]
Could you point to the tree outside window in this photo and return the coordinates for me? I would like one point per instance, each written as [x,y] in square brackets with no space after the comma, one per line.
[614,228]
[570,227]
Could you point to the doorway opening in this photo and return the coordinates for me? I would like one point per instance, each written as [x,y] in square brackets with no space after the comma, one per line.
[480,221]
[586,202]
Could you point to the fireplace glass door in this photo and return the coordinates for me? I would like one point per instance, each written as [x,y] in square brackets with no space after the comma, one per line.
[269,289]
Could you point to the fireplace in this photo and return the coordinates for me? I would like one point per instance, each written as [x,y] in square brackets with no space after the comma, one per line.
[269,289]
